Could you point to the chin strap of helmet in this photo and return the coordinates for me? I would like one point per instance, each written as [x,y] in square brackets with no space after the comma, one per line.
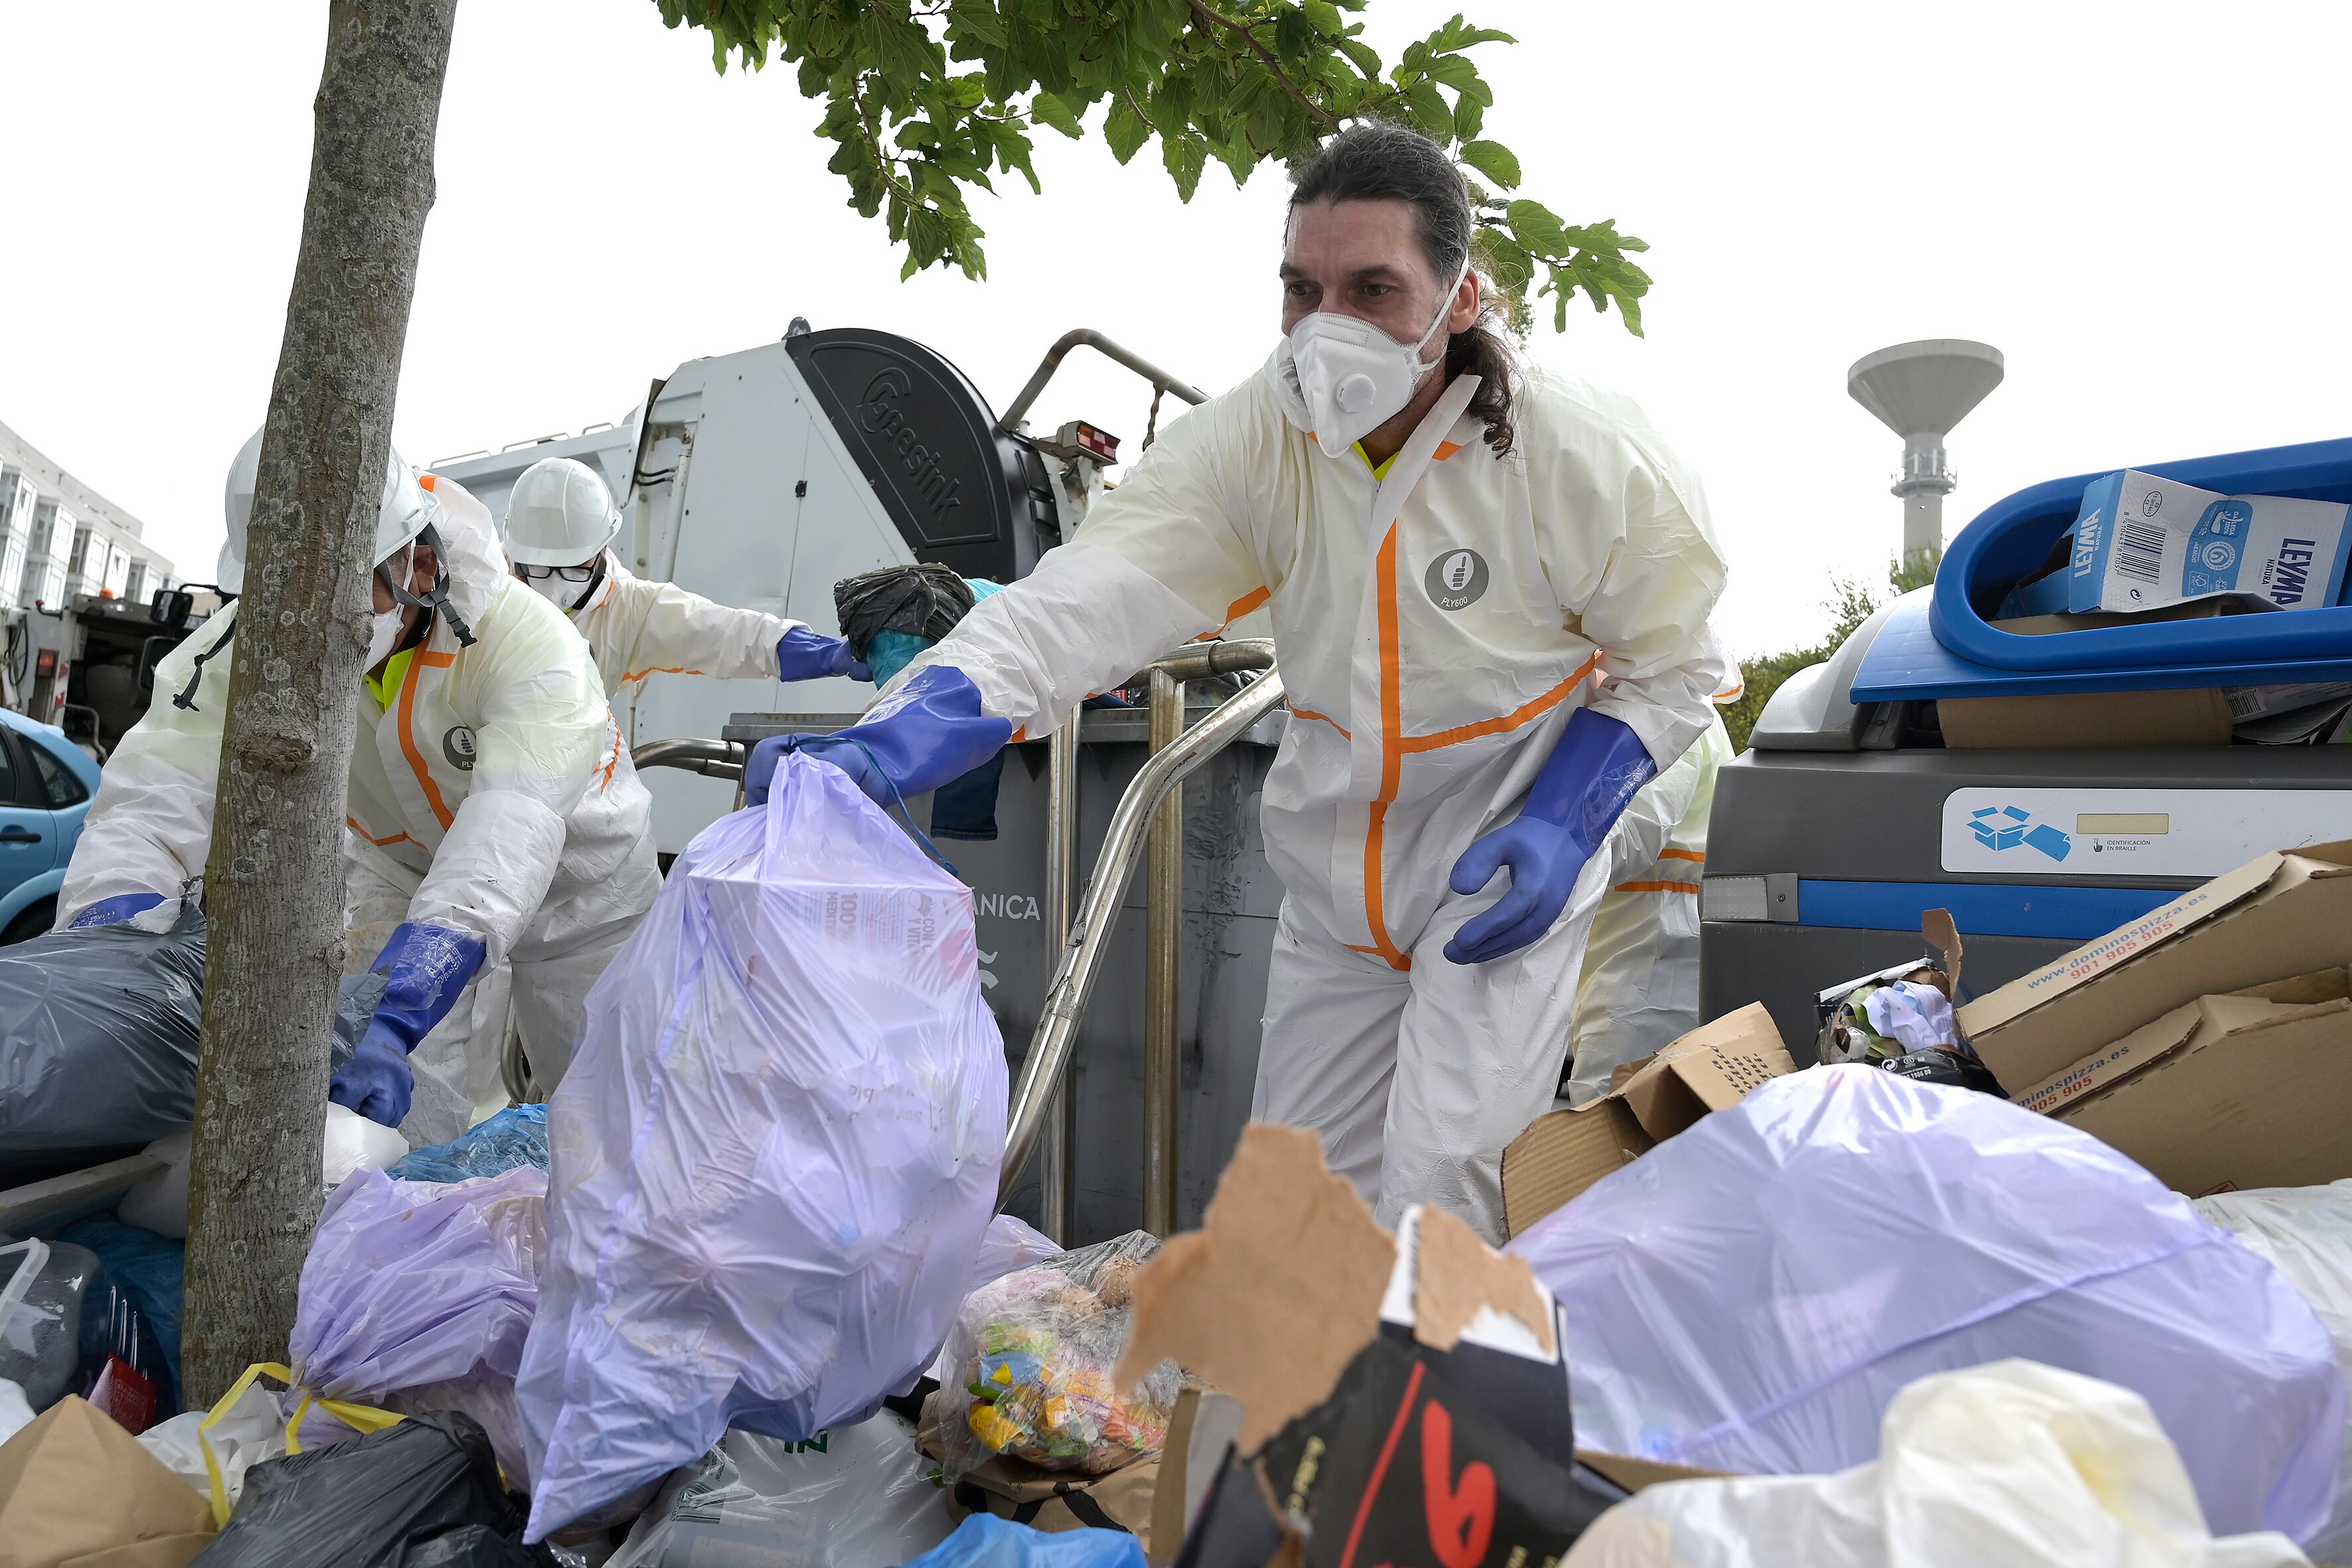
[436,599]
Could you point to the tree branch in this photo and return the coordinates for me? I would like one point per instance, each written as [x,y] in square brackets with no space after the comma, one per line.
[1204,15]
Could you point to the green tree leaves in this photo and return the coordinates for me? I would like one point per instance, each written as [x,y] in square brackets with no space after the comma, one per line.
[927,99]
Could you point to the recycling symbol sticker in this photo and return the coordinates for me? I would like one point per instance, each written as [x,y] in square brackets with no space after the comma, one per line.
[1456,579]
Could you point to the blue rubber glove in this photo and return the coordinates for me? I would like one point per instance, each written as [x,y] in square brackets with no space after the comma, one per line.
[1591,775]
[806,655]
[427,968]
[929,730]
[116,910]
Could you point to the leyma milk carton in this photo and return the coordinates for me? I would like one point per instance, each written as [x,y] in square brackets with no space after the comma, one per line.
[2143,542]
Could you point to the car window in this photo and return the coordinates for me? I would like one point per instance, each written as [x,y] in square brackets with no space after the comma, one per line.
[59,784]
[12,782]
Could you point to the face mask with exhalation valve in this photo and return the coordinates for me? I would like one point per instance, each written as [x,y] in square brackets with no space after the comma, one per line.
[1340,378]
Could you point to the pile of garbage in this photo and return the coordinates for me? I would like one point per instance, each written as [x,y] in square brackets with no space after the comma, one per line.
[739,1294]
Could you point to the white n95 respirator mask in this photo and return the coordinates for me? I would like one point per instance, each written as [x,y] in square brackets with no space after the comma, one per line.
[1340,378]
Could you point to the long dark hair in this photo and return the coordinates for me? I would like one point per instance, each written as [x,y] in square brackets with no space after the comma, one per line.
[1375,161]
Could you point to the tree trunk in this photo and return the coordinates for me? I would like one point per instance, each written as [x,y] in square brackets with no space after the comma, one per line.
[274,885]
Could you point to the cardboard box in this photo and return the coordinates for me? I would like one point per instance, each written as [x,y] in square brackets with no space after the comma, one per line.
[2280,914]
[2249,1089]
[2193,716]
[1564,1152]
[2142,543]
[1342,1342]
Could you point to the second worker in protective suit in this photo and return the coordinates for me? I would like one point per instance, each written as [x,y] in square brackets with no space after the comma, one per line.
[560,527]
[494,816]
[1452,549]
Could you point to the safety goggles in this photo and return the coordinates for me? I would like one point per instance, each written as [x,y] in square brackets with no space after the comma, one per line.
[568,573]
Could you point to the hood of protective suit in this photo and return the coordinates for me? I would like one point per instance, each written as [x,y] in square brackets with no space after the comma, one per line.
[470,552]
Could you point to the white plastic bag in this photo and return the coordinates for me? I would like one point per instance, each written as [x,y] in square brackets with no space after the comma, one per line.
[2307,1233]
[350,1142]
[854,1496]
[250,1431]
[2012,1464]
[774,1155]
[1751,1294]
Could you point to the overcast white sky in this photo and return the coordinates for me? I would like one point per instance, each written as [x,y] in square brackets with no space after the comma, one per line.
[2141,205]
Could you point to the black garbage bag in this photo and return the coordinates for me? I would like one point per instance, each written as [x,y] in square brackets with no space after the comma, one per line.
[100,1031]
[424,1493]
[924,600]
[98,1028]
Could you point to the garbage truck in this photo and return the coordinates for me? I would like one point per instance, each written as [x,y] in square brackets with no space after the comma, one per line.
[2044,779]
[89,667]
[761,478]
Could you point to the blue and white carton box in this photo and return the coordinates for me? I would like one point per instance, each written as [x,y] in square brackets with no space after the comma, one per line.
[2143,542]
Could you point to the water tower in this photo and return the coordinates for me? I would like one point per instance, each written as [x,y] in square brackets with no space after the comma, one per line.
[1920,391]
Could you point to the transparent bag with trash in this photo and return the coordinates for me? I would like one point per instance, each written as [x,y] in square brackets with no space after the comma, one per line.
[2306,1233]
[1030,1357]
[1752,1294]
[2012,1463]
[788,1089]
[859,1496]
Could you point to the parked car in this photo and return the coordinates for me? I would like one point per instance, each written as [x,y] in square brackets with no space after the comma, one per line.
[47,782]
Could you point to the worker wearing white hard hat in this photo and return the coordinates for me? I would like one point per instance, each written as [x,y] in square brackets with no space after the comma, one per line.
[559,530]
[1639,990]
[1489,587]
[493,814]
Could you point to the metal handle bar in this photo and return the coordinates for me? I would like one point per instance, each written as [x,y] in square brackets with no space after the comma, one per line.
[712,759]
[1097,911]
[1087,337]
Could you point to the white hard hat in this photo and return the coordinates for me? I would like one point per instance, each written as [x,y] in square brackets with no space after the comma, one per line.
[405,510]
[560,514]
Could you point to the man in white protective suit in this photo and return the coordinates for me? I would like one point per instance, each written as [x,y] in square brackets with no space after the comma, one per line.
[494,815]
[559,530]
[1452,550]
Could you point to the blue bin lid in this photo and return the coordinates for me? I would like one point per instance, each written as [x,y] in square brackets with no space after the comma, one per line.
[1943,645]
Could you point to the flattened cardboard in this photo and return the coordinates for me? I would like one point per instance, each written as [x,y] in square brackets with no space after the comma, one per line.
[2283,913]
[2191,716]
[2257,1093]
[1714,1067]
[1276,1292]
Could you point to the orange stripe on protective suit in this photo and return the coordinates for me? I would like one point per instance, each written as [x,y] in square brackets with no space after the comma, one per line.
[1657,887]
[352,822]
[1325,718]
[1697,854]
[1391,752]
[441,813]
